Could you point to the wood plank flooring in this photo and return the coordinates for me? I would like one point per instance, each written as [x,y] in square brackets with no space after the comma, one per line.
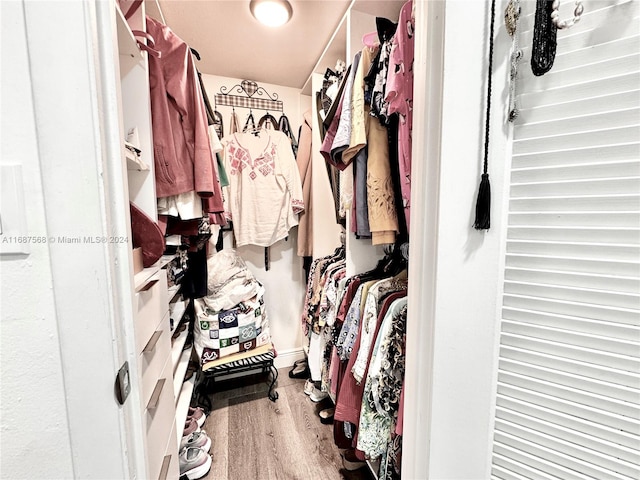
[256,439]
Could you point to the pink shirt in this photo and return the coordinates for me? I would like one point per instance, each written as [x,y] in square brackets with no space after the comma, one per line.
[400,97]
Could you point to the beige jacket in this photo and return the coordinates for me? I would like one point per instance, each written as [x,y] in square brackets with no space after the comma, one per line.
[305,223]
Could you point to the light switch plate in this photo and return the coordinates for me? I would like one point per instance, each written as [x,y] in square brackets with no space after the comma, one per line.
[13,217]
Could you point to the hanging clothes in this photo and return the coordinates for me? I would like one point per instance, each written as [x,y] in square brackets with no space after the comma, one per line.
[182,152]
[377,412]
[265,192]
[399,95]
[303,160]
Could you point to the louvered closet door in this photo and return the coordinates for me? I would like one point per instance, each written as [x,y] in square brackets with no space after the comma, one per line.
[568,398]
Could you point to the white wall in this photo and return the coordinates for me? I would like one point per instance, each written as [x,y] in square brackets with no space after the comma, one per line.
[61,307]
[33,407]
[454,272]
[284,282]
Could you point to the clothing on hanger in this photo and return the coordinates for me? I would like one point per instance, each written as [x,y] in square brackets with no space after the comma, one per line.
[264,196]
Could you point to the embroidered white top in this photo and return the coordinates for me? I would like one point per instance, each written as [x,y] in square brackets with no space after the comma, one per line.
[264,196]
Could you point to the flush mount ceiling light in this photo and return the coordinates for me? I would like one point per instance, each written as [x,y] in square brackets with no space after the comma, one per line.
[272,13]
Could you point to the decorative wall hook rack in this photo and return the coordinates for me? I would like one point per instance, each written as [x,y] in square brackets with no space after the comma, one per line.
[252,96]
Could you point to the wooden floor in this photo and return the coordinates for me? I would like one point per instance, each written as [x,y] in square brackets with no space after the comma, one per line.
[256,439]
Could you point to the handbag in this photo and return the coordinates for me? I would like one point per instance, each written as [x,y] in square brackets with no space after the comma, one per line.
[285,127]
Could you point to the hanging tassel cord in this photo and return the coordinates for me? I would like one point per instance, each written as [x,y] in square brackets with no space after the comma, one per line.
[483,203]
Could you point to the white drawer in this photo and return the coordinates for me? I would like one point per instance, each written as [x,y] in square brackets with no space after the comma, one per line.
[151,306]
[159,420]
[170,467]
[153,358]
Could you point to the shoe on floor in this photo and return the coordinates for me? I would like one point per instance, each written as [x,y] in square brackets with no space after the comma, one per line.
[326,415]
[194,463]
[308,387]
[351,462]
[318,395]
[196,439]
[299,370]
[190,426]
[197,414]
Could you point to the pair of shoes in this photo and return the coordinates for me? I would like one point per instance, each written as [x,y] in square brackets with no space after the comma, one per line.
[197,414]
[326,415]
[350,461]
[299,370]
[317,395]
[194,463]
[196,440]
[194,459]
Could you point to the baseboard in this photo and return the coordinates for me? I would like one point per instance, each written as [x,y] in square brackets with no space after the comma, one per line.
[286,358]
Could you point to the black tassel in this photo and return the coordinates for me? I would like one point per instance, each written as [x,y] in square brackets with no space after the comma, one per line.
[483,204]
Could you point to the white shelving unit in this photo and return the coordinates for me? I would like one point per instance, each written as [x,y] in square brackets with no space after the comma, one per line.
[155,368]
[180,357]
[182,407]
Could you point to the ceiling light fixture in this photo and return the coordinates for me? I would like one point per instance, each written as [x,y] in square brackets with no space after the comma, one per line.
[272,13]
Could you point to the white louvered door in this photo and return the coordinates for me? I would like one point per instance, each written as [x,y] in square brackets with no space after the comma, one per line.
[568,394]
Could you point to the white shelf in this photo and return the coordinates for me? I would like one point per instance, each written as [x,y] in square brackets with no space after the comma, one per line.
[134,162]
[172,291]
[176,348]
[182,407]
[180,371]
[128,49]
[176,311]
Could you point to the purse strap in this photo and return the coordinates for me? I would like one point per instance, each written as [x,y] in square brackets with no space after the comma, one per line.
[147,47]
[285,127]
[268,118]
[132,9]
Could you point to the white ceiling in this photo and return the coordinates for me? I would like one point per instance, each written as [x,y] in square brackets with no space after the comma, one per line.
[232,43]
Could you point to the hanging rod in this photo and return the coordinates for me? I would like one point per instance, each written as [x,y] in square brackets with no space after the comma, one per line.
[249,89]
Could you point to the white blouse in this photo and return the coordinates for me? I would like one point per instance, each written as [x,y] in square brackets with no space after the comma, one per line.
[264,196]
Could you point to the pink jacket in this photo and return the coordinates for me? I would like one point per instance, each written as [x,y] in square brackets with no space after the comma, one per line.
[182,153]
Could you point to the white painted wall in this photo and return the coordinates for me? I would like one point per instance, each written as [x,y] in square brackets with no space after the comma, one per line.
[454,272]
[33,408]
[63,310]
[284,282]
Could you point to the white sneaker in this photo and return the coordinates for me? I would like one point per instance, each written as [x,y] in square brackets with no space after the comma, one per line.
[308,387]
[194,463]
[318,395]
[196,439]
[197,414]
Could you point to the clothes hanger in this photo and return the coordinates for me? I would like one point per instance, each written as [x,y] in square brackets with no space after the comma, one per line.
[253,123]
[195,53]
[370,39]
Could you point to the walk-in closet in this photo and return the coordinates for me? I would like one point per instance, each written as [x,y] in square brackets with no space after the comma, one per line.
[355,240]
